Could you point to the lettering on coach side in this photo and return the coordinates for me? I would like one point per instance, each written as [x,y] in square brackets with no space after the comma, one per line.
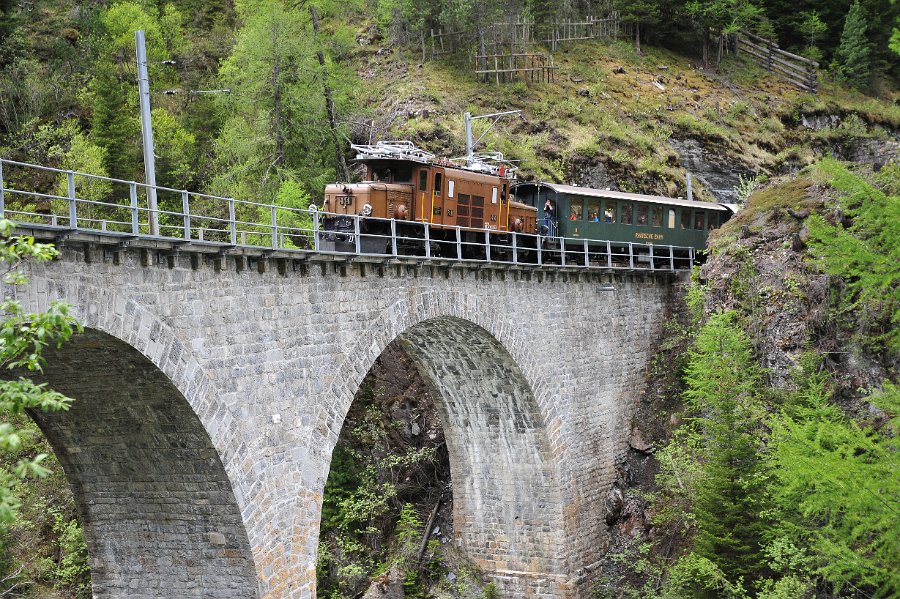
[651,236]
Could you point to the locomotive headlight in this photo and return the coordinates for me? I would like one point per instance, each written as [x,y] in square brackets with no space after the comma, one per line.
[367,209]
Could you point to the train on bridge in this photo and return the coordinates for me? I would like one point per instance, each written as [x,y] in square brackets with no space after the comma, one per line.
[414,203]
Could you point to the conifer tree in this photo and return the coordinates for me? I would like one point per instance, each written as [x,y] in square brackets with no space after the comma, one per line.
[723,381]
[852,62]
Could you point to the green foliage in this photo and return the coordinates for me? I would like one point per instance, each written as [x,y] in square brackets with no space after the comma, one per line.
[852,58]
[865,256]
[745,188]
[837,490]
[23,337]
[71,569]
[812,28]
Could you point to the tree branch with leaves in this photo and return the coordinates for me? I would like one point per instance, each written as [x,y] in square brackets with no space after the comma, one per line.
[23,338]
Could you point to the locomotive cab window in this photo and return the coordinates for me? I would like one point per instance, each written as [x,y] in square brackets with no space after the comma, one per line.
[423,180]
[402,174]
[382,173]
[438,182]
[627,213]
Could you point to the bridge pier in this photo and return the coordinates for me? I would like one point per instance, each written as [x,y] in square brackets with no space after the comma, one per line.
[208,401]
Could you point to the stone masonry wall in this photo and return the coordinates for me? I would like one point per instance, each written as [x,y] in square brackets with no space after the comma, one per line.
[270,362]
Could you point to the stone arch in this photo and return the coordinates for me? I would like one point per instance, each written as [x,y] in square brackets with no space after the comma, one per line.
[159,513]
[508,506]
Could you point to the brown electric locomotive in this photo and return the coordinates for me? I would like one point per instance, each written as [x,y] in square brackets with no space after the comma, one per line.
[412,187]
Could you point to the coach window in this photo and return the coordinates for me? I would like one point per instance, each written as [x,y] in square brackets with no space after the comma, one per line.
[685,219]
[627,213]
[657,216]
[594,211]
[576,210]
[423,180]
[698,220]
[642,211]
[711,220]
[609,215]
[671,224]
[438,182]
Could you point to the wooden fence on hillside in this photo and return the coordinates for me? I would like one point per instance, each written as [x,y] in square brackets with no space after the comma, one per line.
[504,68]
[514,37]
[795,69]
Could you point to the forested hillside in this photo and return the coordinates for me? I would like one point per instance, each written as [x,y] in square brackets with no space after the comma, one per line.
[765,453]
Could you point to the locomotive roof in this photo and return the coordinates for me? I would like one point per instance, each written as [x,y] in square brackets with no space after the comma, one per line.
[621,195]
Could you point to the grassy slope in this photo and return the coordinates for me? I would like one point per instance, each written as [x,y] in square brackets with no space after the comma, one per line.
[591,115]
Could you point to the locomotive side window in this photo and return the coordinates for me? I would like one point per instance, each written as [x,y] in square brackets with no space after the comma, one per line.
[493,195]
[698,220]
[627,212]
[450,186]
[685,219]
[576,210]
[594,211]
[657,216]
[383,174]
[671,224]
[423,180]
[438,183]
[643,212]
[609,215]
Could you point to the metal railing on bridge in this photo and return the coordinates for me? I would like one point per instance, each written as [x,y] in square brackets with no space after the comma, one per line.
[41,198]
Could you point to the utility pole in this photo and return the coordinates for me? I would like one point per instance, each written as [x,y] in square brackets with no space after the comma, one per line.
[146,129]
[470,145]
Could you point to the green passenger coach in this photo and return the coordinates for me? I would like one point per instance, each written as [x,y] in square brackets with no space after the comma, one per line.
[582,212]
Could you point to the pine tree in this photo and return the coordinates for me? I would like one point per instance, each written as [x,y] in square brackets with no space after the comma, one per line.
[852,62]
[723,381]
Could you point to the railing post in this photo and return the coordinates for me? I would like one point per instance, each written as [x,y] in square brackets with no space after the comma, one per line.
[487,246]
[691,258]
[274,227]
[671,258]
[459,255]
[232,225]
[73,207]
[586,258]
[394,237]
[135,220]
[515,250]
[651,257]
[356,244]
[315,217]
[2,201]
[630,256]
[186,214]
[562,251]
[427,240]
[539,250]
[608,255]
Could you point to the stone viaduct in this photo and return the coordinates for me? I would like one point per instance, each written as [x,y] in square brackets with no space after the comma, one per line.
[210,392]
